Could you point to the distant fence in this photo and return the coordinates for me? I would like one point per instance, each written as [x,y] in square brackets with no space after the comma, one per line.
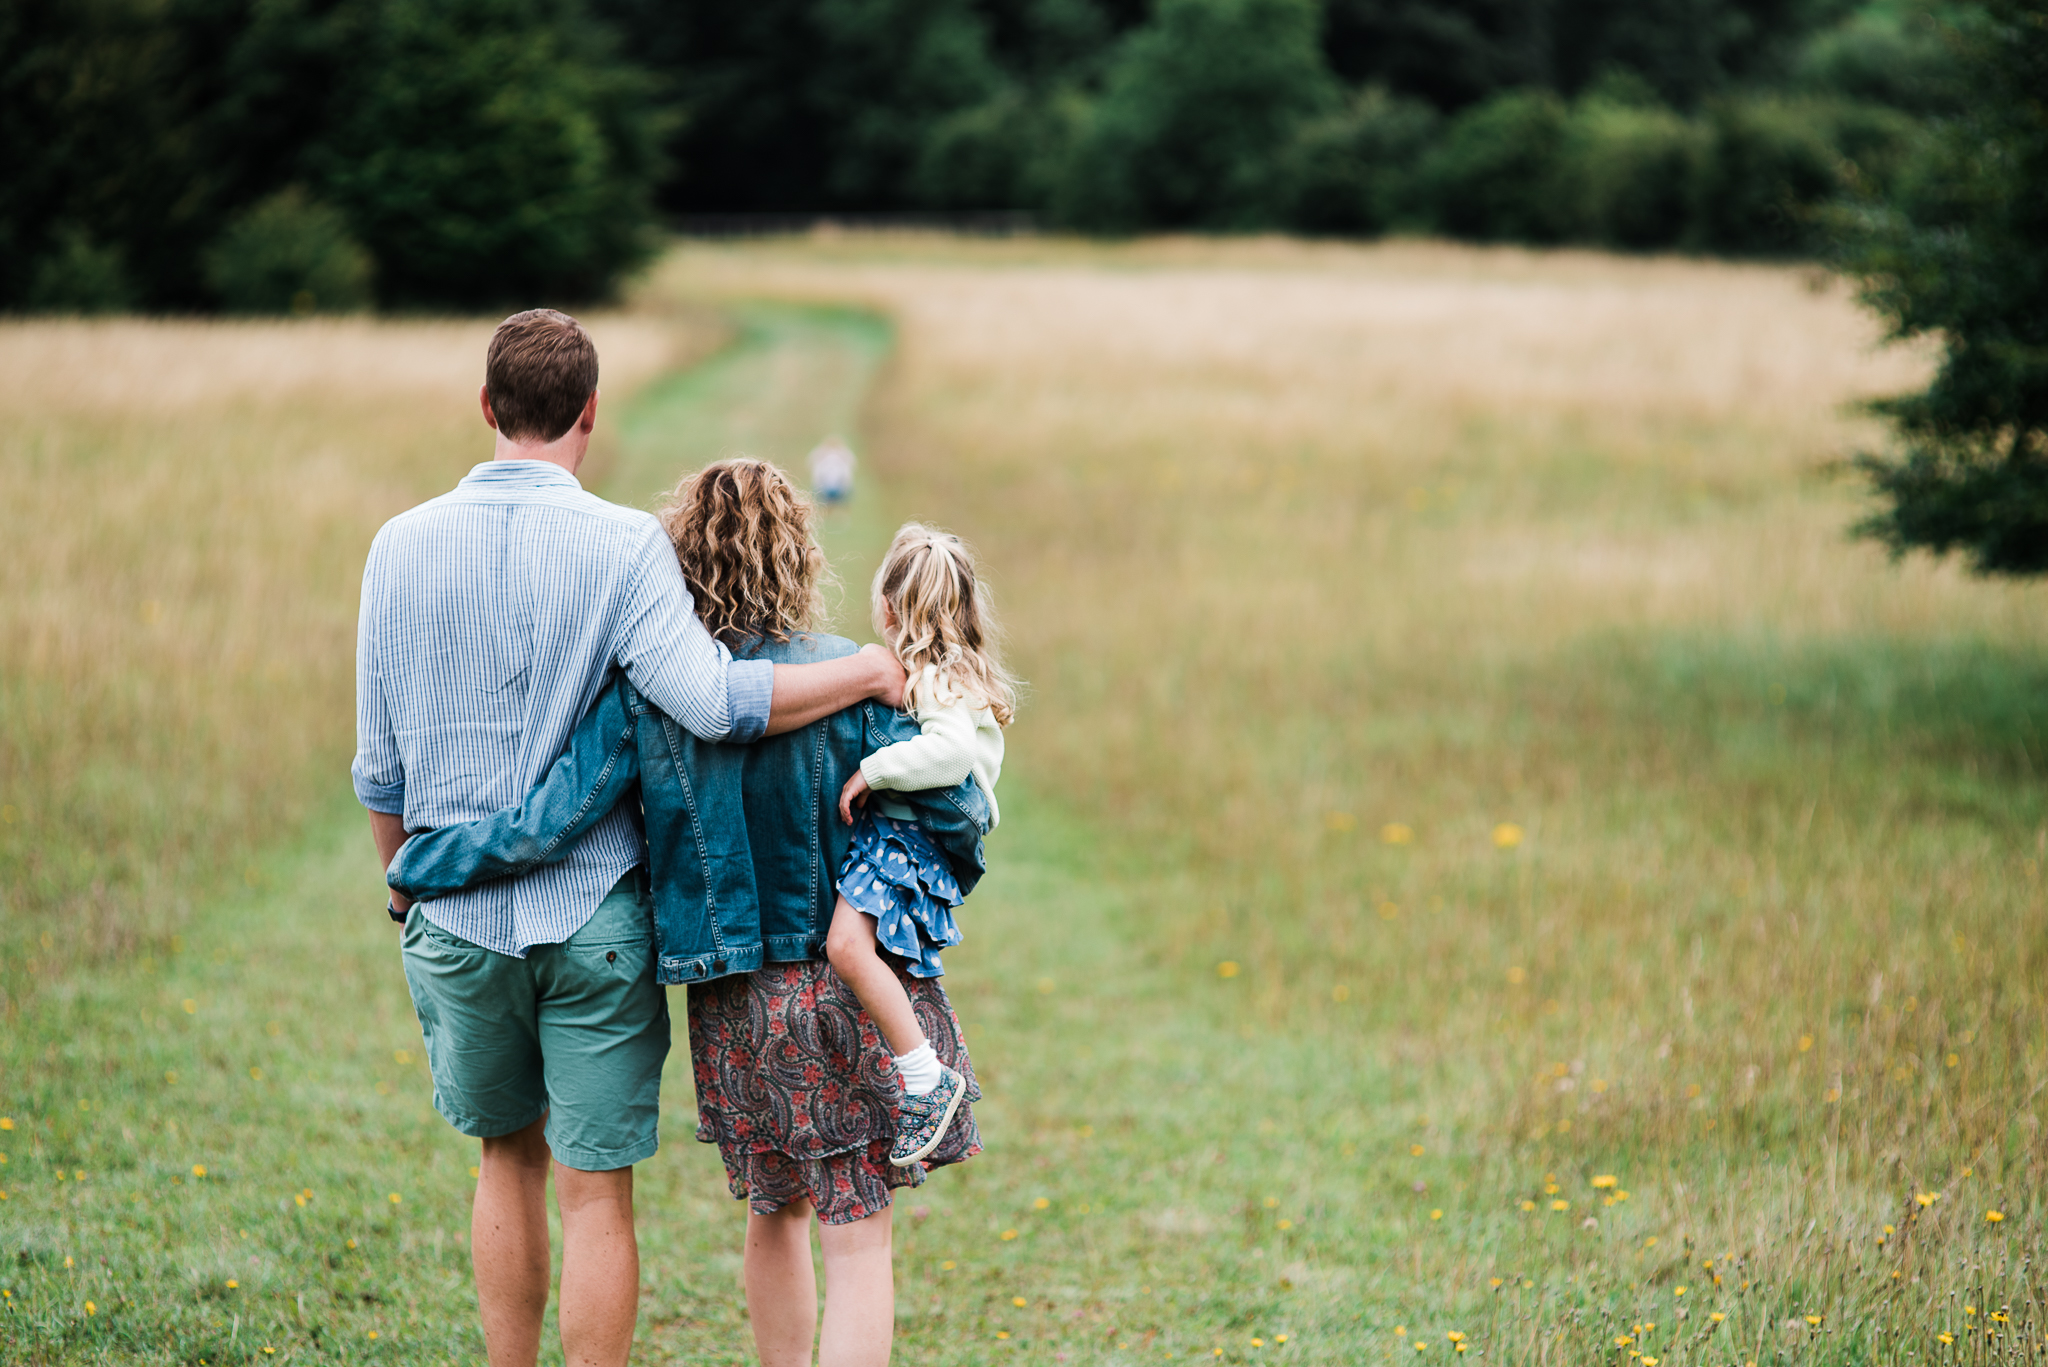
[989,223]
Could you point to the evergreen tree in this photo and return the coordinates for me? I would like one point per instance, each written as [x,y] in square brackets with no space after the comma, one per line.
[1961,253]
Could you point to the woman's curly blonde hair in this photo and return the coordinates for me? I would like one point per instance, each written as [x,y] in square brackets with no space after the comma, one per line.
[742,534]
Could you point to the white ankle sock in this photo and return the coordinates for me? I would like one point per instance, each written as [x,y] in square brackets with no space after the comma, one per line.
[919,1069]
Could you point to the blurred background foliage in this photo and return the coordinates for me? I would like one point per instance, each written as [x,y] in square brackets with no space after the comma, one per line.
[275,155]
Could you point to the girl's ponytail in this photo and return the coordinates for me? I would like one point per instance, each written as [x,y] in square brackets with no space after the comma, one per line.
[944,619]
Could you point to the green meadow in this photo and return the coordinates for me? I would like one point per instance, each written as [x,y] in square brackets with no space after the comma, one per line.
[1490,868]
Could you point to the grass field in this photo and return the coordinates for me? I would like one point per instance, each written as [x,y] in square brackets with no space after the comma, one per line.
[1465,762]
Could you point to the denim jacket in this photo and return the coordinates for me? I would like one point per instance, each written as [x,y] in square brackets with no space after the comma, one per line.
[745,841]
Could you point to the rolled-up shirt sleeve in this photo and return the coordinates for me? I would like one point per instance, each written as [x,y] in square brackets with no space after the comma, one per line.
[379,769]
[676,663]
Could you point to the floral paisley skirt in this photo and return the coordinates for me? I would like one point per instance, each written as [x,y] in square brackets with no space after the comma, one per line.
[799,1092]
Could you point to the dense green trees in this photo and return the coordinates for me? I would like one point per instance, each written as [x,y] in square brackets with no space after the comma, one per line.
[255,153]
[262,154]
[1960,251]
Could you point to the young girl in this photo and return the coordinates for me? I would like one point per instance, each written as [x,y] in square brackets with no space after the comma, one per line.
[896,892]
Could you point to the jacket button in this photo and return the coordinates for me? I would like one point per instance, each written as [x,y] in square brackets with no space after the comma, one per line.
[718,966]
[611,956]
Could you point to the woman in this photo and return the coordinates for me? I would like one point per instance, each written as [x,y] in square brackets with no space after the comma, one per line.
[794,1084]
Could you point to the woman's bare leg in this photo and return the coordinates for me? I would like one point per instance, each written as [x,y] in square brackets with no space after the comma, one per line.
[850,945]
[860,1293]
[782,1288]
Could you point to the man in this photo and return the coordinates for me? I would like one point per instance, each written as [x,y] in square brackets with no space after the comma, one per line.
[490,616]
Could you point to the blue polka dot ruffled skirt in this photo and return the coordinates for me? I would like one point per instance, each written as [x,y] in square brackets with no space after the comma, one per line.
[896,874]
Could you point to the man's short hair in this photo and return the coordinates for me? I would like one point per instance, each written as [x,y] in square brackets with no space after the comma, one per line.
[541,370]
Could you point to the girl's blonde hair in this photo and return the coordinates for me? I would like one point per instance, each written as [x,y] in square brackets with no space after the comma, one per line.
[742,534]
[944,618]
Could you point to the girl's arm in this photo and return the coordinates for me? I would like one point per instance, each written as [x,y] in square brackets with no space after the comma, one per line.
[939,758]
[599,766]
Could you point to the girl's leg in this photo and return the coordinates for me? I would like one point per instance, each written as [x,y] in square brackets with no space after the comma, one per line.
[860,1293]
[782,1290]
[850,945]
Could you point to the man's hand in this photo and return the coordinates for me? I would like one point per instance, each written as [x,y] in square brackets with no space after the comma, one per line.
[388,830]
[804,693]
[890,676]
[855,793]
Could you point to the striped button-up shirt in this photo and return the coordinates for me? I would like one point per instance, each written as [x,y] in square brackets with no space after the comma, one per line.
[490,616]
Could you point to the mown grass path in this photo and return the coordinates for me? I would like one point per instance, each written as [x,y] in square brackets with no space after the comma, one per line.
[229,1154]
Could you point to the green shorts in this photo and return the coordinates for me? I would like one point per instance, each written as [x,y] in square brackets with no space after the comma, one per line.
[577,1032]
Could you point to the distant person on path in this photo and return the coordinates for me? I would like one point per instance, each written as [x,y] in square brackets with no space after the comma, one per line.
[795,1084]
[896,890]
[832,470]
[491,617]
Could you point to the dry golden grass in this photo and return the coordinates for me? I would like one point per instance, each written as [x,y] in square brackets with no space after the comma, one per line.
[188,506]
[1326,563]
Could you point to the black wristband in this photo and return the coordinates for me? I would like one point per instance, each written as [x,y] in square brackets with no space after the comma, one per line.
[391,910]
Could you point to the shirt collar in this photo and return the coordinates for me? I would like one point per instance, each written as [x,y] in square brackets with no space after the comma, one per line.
[526,474]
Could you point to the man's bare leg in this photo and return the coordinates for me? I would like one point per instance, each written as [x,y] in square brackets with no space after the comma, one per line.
[782,1286]
[860,1293]
[508,1244]
[600,1266]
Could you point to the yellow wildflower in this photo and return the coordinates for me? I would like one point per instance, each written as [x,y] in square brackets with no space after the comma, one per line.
[1507,835]
[1560,1204]
[1040,1204]
[1606,1180]
[1994,1216]
[1019,1302]
[1227,969]
[1009,1234]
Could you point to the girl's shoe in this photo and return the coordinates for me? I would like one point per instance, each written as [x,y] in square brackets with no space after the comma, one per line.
[922,1121]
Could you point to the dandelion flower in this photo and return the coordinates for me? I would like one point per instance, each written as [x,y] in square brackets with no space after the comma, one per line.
[1436,1215]
[1813,1319]
[396,1199]
[6,1122]
[1396,833]
[1287,1224]
[1258,1343]
[1002,1333]
[91,1309]
[1717,1317]
[1927,1198]
[1945,1339]
[1455,1337]
[1496,1283]
[1606,1180]
[1040,1204]
[199,1169]
[233,1285]
[1507,835]
[1019,1302]
[1009,1234]
[1560,1204]
[1528,1205]
[1400,1331]
[948,1265]
[1416,1151]
[1994,1216]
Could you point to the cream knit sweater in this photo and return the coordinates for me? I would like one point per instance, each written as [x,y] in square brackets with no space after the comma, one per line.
[960,738]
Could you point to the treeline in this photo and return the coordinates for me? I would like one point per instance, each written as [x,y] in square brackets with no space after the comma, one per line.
[272,154]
